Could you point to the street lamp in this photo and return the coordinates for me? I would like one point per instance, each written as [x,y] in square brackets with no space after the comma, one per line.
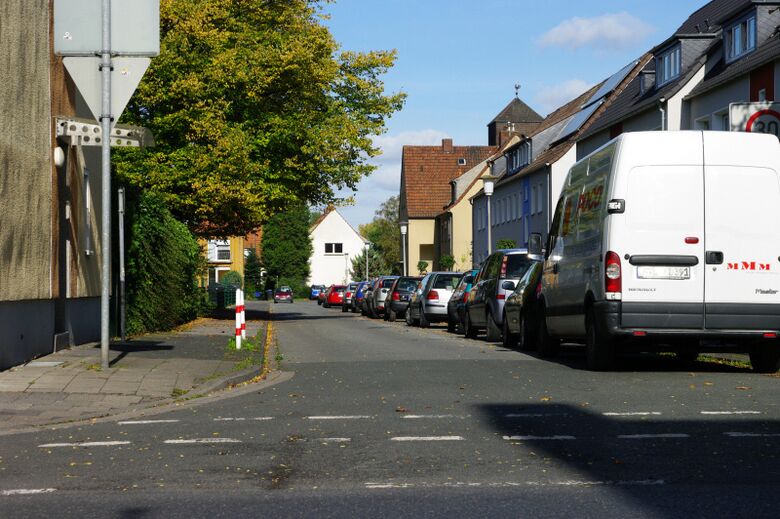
[489,183]
[404,230]
[346,268]
[367,246]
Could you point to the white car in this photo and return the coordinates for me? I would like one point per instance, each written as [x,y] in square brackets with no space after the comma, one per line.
[667,241]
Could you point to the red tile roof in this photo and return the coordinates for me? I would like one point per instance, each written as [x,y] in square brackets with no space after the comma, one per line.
[426,172]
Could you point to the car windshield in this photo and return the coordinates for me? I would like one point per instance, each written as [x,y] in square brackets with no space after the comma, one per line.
[516,265]
[407,285]
[284,291]
[387,283]
[447,281]
[340,290]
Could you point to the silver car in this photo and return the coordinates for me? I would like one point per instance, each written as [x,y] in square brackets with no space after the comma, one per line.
[429,302]
[349,295]
[376,304]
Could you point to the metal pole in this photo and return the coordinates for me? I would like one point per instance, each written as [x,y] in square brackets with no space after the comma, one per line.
[105,120]
[489,236]
[403,252]
[367,248]
[122,301]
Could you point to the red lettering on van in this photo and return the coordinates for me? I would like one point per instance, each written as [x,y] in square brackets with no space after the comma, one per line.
[764,266]
[750,265]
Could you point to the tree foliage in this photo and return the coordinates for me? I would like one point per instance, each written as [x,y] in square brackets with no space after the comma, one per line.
[253,107]
[287,248]
[506,243]
[253,272]
[376,266]
[385,236]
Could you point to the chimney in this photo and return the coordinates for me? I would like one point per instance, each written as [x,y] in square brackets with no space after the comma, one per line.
[446,145]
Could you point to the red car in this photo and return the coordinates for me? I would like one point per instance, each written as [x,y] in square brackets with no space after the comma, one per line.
[334,296]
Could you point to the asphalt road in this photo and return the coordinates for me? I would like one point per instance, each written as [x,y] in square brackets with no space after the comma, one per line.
[378,419]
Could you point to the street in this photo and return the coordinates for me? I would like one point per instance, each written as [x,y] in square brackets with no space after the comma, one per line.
[379,419]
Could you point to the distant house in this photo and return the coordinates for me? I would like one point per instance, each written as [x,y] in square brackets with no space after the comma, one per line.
[335,243]
[223,256]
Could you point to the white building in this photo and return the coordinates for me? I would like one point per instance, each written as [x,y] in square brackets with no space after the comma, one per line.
[335,244]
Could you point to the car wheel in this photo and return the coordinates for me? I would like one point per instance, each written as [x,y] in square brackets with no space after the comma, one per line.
[526,336]
[452,326]
[599,346]
[468,329]
[344,309]
[408,317]
[765,358]
[493,331]
[390,315]
[509,340]
[424,322]
[546,346]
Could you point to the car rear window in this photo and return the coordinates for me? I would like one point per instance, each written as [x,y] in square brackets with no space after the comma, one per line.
[517,265]
[447,282]
[340,290]
[387,283]
[407,285]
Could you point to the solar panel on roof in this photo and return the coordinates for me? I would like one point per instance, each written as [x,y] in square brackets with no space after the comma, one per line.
[611,83]
[578,120]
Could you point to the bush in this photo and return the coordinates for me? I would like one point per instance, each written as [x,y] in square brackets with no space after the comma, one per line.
[232,278]
[164,265]
[506,243]
[422,267]
[446,262]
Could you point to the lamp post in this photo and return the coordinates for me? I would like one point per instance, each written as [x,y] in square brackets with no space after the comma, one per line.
[404,230]
[367,246]
[489,183]
[346,268]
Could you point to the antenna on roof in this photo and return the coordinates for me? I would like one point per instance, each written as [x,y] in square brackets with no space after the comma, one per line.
[517,90]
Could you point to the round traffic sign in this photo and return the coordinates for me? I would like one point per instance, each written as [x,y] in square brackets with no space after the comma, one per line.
[764,121]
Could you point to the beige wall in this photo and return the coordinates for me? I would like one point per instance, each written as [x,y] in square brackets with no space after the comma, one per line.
[25,151]
[420,239]
[462,229]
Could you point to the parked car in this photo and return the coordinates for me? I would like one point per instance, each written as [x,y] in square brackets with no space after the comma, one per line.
[357,299]
[456,307]
[334,296]
[429,302]
[315,291]
[321,296]
[283,295]
[349,295]
[367,291]
[521,311]
[400,294]
[497,279]
[379,293]
[667,242]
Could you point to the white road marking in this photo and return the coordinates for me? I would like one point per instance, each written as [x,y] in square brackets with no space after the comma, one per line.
[637,413]
[27,491]
[513,484]
[426,416]
[729,412]
[262,418]
[229,419]
[426,438]
[83,444]
[533,438]
[751,435]
[202,440]
[145,422]
[335,440]
[354,417]
[652,436]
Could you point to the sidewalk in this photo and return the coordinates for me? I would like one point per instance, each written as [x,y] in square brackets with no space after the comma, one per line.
[151,370]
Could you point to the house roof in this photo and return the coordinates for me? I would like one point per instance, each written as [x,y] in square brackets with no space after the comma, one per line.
[426,172]
[518,112]
[724,72]
[327,212]
[713,12]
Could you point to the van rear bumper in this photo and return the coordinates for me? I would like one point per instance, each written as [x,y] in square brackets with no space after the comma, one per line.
[687,319]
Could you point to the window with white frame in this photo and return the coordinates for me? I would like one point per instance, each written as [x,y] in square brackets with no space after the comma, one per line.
[334,248]
[740,37]
[219,250]
[667,65]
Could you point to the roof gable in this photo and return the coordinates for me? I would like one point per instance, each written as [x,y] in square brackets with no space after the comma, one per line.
[517,112]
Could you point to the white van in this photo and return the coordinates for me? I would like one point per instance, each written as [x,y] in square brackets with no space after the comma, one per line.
[667,241]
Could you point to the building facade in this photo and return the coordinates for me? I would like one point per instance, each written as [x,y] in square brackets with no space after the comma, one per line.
[335,244]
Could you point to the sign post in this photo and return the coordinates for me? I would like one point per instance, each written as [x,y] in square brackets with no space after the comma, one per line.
[84,29]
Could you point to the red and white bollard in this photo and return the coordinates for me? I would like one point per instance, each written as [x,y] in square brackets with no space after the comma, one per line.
[239,336]
[243,315]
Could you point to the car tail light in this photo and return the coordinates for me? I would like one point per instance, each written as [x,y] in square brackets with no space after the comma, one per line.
[432,296]
[503,266]
[770,336]
[613,279]
[465,297]
[349,294]
[500,297]
[396,296]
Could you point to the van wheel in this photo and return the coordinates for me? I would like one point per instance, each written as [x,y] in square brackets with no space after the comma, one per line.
[493,331]
[546,346]
[468,329]
[424,323]
[765,358]
[391,315]
[451,325]
[509,340]
[599,346]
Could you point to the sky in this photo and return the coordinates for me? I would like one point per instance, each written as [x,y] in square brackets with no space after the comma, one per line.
[459,60]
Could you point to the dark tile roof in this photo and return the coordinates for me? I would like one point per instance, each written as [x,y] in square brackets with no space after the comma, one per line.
[715,13]
[426,172]
[517,112]
[724,72]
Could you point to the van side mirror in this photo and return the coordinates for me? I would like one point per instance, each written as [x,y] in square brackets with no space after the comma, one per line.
[535,243]
[508,285]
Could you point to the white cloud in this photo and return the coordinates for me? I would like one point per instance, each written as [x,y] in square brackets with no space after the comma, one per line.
[386,180]
[615,31]
[553,97]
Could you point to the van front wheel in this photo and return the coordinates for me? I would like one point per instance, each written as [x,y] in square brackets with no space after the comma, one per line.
[600,347]
[765,358]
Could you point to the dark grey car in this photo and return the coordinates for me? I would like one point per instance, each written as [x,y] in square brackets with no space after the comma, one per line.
[400,295]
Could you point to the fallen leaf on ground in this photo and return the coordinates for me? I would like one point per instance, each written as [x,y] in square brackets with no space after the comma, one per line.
[744,388]
[401,409]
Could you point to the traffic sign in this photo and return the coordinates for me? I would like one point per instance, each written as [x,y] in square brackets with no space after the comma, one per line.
[125,77]
[135,27]
[760,117]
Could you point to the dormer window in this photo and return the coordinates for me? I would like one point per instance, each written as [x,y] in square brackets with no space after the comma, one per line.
[461,162]
[740,38]
[667,65]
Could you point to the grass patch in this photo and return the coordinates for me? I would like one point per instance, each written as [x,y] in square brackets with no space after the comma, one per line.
[724,362]
[94,366]
[177,392]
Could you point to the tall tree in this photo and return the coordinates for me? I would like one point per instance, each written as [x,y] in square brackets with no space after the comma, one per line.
[254,107]
[384,234]
[286,248]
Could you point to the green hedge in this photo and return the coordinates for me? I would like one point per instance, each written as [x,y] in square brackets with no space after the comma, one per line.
[164,265]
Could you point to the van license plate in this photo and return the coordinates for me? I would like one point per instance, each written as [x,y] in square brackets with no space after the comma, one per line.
[664,272]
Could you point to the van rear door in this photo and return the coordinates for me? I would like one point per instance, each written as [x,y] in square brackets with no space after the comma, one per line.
[742,188]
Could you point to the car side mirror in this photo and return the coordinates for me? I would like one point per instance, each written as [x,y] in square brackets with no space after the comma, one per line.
[468,280]
[508,285]
[535,244]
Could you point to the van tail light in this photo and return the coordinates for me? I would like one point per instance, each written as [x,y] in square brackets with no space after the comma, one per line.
[432,296]
[396,296]
[503,267]
[613,278]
